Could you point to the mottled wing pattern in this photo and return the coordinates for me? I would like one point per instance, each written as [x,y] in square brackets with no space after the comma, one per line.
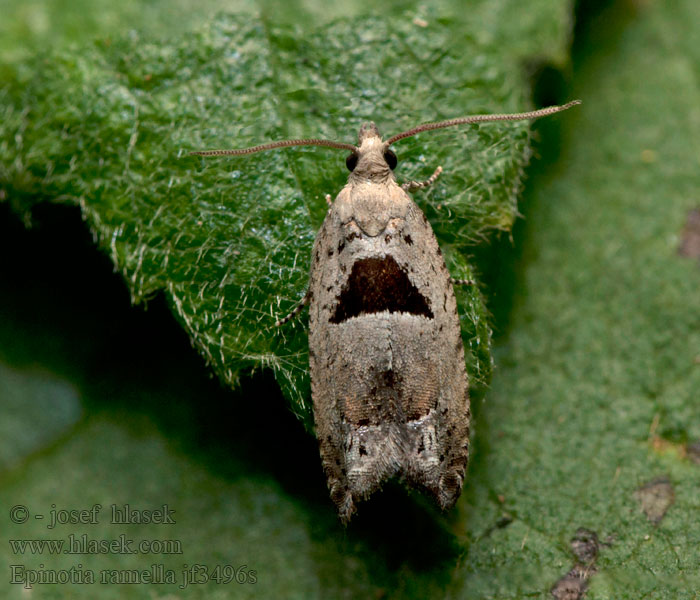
[388,376]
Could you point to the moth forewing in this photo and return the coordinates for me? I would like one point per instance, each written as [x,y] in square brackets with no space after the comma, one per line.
[388,376]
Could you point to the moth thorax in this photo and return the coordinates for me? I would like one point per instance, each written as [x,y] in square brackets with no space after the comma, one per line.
[371,163]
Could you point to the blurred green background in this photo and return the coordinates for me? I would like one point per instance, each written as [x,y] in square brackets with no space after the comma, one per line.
[595,311]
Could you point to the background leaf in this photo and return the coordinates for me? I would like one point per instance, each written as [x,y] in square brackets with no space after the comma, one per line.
[228,241]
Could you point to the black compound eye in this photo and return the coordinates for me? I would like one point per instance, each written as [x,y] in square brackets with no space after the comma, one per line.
[391,159]
[351,162]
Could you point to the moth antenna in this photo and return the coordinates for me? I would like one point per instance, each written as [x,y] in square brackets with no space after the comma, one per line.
[535,114]
[280,144]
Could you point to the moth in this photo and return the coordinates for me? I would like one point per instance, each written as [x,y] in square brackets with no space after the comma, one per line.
[388,378]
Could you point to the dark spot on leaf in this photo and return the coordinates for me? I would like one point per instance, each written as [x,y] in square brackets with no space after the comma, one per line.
[693,451]
[585,545]
[573,585]
[504,521]
[655,498]
[376,285]
[690,237]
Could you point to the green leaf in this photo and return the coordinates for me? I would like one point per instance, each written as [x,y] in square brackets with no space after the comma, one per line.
[597,388]
[38,408]
[228,241]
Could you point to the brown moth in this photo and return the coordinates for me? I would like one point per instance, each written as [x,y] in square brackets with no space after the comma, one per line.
[388,378]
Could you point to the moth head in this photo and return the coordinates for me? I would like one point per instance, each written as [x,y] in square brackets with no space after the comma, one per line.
[367,131]
[373,158]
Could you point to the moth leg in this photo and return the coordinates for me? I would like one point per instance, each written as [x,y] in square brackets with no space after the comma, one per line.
[296,311]
[454,281]
[329,201]
[416,185]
